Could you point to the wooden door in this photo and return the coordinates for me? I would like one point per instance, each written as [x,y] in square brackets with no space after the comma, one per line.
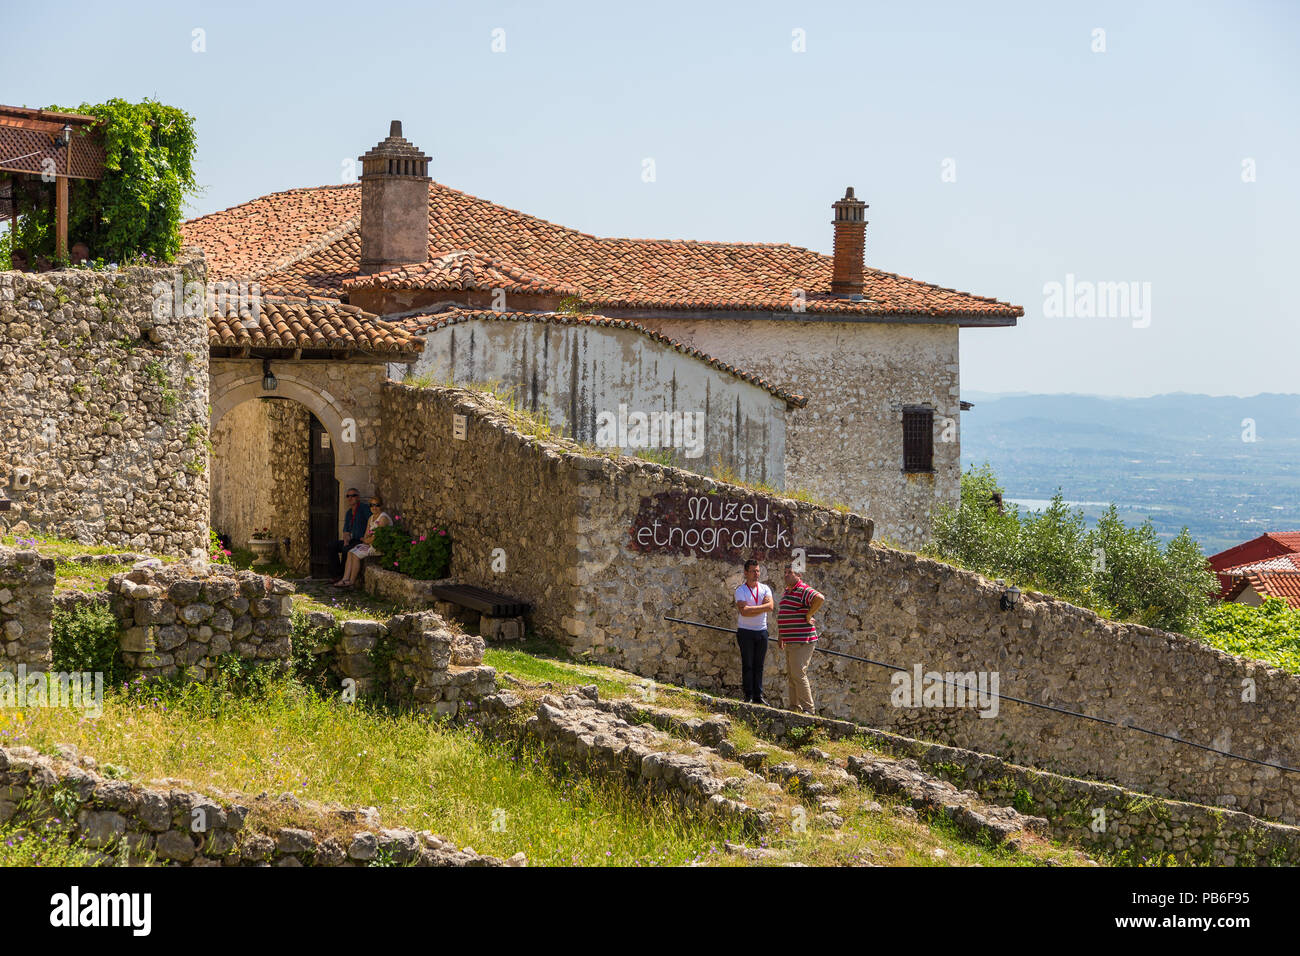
[324,493]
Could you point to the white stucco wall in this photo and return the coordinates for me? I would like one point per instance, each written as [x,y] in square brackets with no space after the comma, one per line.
[847,444]
[577,372]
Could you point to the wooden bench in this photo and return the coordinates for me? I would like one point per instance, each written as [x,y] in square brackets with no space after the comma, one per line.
[491,603]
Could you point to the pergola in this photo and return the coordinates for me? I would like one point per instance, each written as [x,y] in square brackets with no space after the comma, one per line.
[44,146]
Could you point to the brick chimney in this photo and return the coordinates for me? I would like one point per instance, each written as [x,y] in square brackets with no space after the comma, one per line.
[394,204]
[850,245]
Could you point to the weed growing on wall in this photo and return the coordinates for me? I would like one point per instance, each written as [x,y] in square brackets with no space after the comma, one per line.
[85,639]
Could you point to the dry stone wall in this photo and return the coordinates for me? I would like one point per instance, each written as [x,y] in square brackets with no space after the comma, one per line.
[604,549]
[119,822]
[174,620]
[26,603]
[494,489]
[104,407]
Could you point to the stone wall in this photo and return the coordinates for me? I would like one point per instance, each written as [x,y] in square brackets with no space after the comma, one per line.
[26,603]
[175,620]
[1129,822]
[119,822]
[578,536]
[846,446]
[494,490]
[575,372]
[103,407]
[434,668]
[260,470]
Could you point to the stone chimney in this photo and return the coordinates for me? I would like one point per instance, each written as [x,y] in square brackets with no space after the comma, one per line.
[850,245]
[394,204]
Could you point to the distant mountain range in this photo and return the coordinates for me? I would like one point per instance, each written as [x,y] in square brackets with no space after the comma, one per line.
[1179,459]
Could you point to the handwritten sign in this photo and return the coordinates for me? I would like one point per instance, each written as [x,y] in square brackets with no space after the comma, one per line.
[721,527]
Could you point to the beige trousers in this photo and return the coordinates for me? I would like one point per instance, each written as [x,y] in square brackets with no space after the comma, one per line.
[799,691]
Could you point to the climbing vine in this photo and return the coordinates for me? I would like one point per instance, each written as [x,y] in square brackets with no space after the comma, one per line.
[135,211]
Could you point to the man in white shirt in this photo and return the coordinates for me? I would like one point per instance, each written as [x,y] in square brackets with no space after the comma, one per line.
[753,601]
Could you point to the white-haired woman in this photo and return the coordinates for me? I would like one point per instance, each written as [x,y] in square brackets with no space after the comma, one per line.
[378,519]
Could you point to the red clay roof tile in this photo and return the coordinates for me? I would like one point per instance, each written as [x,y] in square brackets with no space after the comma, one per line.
[304,241]
[306,324]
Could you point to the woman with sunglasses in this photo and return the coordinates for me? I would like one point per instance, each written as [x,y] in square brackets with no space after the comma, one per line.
[378,519]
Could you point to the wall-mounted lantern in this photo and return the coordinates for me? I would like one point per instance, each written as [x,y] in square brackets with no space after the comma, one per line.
[269,381]
[1010,598]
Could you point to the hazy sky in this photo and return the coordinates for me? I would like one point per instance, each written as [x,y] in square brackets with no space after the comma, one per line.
[998,149]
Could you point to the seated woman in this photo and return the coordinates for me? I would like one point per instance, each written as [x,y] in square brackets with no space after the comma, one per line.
[378,519]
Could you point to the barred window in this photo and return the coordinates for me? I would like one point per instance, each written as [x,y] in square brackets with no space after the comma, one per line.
[918,438]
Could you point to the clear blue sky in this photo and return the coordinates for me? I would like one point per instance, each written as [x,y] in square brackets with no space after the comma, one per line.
[1123,165]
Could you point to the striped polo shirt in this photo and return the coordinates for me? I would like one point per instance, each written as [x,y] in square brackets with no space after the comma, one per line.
[791,614]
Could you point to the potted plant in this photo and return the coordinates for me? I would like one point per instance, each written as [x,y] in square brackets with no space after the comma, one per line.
[262,545]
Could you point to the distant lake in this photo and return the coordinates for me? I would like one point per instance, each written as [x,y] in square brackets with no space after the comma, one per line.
[1042,504]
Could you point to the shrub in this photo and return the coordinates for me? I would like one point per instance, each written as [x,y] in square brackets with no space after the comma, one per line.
[425,557]
[1115,569]
[1269,632]
[86,639]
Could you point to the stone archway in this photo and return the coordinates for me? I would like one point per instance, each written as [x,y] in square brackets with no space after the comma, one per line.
[343,396]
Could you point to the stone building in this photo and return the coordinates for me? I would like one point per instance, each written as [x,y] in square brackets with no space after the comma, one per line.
[865,363]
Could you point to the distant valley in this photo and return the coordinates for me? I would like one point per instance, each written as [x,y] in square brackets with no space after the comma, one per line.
[1178,459]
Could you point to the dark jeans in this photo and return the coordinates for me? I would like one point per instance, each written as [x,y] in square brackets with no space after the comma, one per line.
[753,650]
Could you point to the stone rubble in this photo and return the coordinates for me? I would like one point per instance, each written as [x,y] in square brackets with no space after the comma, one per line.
[180,827]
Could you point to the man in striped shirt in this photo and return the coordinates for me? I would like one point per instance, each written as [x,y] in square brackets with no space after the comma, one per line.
[798,635]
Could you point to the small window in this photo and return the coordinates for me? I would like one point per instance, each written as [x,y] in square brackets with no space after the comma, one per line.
[918,439]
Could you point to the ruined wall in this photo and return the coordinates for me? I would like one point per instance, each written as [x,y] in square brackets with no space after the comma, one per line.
[846,446]
[579,537]
[175,620]
[26,603]
[574,372]
[103,407]
[119,822]
[260,472]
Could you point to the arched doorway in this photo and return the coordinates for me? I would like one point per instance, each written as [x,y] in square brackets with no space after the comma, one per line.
[278,456]
[263,477]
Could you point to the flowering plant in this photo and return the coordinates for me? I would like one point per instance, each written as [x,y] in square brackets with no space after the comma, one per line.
[217,552]
[425,557]
[262,533]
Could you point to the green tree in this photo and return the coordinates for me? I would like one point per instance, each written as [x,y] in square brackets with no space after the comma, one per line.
[135,210]
[1118,570]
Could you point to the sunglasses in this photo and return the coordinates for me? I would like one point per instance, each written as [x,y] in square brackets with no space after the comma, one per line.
[350,496]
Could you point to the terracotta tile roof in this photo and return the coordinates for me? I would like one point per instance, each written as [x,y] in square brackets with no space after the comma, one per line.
[307,324]
[1269,545]
[304,241]
[460,270]
[1278,584]
[420,324]
[1264,546]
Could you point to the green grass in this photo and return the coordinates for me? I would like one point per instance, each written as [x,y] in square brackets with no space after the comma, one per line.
[524,662]
[418,772]
[49,845]
[344,605]
[54,547]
